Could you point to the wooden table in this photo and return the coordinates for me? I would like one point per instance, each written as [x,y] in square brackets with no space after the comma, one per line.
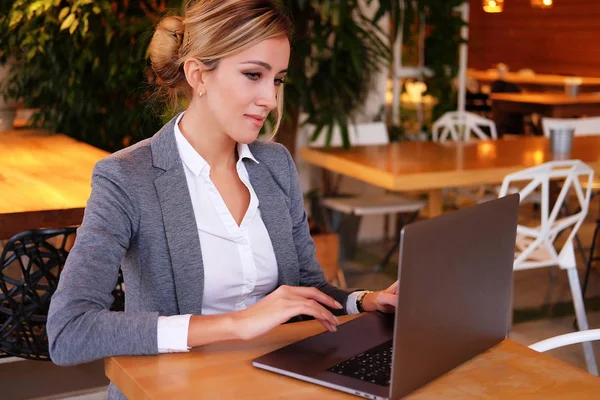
[537,82]
[430,167]
[224,371]
[44,180]
[556,105]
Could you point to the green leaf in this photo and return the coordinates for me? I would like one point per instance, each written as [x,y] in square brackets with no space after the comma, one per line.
[16,17]
[86,24]
[31,53]
[67,22]
[63,13]
[73,27]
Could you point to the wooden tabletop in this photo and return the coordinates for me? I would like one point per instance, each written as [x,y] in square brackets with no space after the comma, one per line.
[44,180]
[406,166]
[531,80]
[224,371]
[549,99]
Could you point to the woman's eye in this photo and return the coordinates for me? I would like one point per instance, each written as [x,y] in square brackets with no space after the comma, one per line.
[279,81]
[252,75]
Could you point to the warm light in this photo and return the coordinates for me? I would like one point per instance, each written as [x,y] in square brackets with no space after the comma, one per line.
[389,94]
[486,150]
[495,6]
[535,157]
[389,97]
[542,3]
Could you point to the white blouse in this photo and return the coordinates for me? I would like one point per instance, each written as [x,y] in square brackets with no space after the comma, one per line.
[240,267]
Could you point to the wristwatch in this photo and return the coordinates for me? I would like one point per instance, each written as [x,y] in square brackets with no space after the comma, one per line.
[359,300]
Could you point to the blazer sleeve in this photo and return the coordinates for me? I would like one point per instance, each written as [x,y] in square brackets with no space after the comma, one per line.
[311,273]
[80,326]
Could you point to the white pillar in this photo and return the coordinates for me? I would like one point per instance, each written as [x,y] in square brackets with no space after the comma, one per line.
[397,50]
[463,54]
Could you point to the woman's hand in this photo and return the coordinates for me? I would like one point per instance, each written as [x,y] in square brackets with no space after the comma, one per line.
[384,300]
[284,303]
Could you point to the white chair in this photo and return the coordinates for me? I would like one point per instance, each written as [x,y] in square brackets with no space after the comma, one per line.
[369,134]
[460,125]
[566,340]
[582,126]
[457,126]
[535,246]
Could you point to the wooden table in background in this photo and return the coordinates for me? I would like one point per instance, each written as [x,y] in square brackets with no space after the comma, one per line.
[431,167]
[224,371]
[44,180]
[556,105]
[537,82]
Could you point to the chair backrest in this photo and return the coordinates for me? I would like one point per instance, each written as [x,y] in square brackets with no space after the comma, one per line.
[365,134]
[30,266]
[582,126]
[566,340]
[459,126]
[536,245]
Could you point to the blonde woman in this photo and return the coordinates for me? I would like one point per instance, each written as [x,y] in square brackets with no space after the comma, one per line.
[206,222]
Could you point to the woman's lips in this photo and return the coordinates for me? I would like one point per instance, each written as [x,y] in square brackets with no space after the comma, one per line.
[255,119]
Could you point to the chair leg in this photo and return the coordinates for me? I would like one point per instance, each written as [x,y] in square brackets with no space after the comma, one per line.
[566,212]
[590,358]
[390,253]
[387,257]
[590,260]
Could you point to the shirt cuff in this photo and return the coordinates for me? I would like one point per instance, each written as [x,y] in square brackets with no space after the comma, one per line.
[172,333]
[351,302]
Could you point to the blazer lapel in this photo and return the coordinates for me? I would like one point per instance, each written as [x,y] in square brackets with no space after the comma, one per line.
[179,222]
[276,217]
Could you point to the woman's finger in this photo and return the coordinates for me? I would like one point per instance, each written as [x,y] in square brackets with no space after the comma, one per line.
[315,294]
[387,299]
[393,288]
[316,310]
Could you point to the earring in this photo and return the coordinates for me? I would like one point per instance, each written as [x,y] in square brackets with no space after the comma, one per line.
[201,93]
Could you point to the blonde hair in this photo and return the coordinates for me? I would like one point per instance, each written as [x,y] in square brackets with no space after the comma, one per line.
[212,30]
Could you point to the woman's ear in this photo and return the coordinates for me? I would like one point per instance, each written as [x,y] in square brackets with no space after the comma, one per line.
[194,71]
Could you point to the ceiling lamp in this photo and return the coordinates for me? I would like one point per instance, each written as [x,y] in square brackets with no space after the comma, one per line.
[495,6]
[542,3]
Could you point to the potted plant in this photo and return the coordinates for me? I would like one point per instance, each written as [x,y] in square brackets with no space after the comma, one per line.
[82,63]
[8,105]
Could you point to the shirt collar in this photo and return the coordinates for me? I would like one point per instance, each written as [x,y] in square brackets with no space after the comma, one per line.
[190,157]
[244,152]
[195,162]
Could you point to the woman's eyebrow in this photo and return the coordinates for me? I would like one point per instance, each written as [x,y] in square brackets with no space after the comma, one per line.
[263,64]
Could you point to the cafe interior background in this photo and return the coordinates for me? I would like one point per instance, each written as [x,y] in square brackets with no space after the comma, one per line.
[478,76]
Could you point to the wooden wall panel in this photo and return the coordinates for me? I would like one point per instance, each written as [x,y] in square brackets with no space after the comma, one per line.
[564,39]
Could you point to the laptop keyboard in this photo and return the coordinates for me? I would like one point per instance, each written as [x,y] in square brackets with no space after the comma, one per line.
[373,365]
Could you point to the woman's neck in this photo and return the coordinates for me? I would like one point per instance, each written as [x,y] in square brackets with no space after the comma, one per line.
[215,146]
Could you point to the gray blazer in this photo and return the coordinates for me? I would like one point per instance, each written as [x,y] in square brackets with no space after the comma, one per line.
[140,217]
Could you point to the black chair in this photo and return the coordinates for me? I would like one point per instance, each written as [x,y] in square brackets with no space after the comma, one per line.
[119,294]
[30,267]
[512,122]
[478,103]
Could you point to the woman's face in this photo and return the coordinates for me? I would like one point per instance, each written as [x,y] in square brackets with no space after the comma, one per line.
[243,89]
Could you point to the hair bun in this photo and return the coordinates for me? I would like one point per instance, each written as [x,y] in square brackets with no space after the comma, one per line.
[164,49]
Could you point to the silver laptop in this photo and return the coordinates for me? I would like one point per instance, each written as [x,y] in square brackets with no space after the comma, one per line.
[455,275]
